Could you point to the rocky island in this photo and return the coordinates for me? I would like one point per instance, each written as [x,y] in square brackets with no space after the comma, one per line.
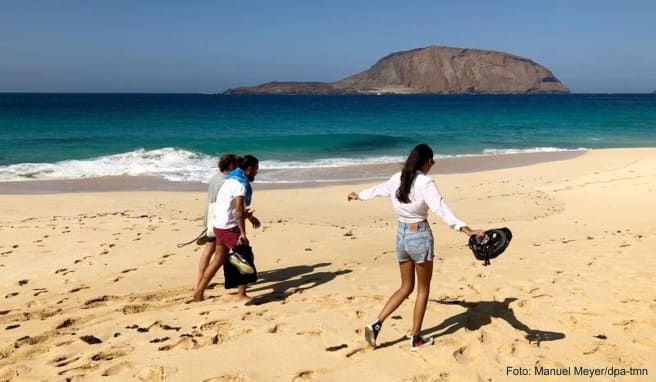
[431,70]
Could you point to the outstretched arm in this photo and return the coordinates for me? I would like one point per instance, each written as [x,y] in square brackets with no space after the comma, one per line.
[468,231]
[384,189]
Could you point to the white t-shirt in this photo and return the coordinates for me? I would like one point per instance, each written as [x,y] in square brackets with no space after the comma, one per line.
[212,191]
[225,216]
[423,196]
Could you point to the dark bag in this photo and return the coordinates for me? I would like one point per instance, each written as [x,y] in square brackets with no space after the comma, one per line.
[234,278]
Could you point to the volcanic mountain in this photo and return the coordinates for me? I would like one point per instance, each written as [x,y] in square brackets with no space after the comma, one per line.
[431,70]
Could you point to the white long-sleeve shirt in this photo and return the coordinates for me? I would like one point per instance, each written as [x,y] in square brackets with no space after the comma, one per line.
[423,196]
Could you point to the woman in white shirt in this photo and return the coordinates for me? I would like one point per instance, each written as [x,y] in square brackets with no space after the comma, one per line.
[413,194]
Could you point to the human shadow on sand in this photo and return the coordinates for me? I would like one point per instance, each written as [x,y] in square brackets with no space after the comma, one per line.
[283,274]
[286,284]
[479,314]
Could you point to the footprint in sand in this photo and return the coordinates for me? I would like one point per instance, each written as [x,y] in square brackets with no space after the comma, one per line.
[627,324]
[217,330]
[11,294]
[40,291]
[132,309]
[169,327]
[249,315]
[128,270]
[313,333]
[79,377]
[274,329]
[307,375]
[186,343]
[64,343]
[519,348]
[227,378]
[27,340]
[63,360]
[465,355]
[78,289]
[91,340]
[66,323]
[158,340]
[9,373]
[98,301]
[118,369]
[483,336]
[143,329]
[112,353]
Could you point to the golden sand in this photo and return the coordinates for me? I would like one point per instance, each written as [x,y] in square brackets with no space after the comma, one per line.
[94,285]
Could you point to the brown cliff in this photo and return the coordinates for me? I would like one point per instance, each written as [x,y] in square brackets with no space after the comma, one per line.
[432,70]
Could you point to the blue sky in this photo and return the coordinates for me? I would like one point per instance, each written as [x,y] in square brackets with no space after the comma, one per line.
[209,46]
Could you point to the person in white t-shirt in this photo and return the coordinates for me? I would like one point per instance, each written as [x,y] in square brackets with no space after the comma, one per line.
[230,217]
[413,193]
[227,163]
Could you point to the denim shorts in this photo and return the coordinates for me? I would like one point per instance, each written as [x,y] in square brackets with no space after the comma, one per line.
[414,242]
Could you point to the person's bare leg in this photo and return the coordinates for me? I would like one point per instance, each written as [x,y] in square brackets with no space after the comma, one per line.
[241,294]
[424,275]
[407,269]
[216,263]
[204,261]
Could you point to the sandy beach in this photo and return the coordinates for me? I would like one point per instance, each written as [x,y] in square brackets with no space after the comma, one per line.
[94,286]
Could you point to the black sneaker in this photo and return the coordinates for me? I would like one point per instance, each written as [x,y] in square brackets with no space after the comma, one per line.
[371,333]
[241,264]
[417,342]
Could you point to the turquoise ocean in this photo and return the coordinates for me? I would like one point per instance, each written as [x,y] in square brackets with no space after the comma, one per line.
[179,136]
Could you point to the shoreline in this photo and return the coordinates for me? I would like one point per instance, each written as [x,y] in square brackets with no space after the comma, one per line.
[326,176]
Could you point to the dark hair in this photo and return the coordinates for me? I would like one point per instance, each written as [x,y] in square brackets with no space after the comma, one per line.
[247,161]
[421,154]
[226,160]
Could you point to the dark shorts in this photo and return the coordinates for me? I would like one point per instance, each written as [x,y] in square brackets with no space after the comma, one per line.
[227,237]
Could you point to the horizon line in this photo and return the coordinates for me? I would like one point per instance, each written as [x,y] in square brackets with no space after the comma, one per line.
[320,95]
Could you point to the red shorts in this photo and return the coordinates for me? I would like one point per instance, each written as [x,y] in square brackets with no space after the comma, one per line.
[227,237]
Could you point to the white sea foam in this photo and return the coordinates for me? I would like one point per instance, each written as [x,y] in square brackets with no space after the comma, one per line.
[186,166]
[531,150]
[169,163]
[328,162]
